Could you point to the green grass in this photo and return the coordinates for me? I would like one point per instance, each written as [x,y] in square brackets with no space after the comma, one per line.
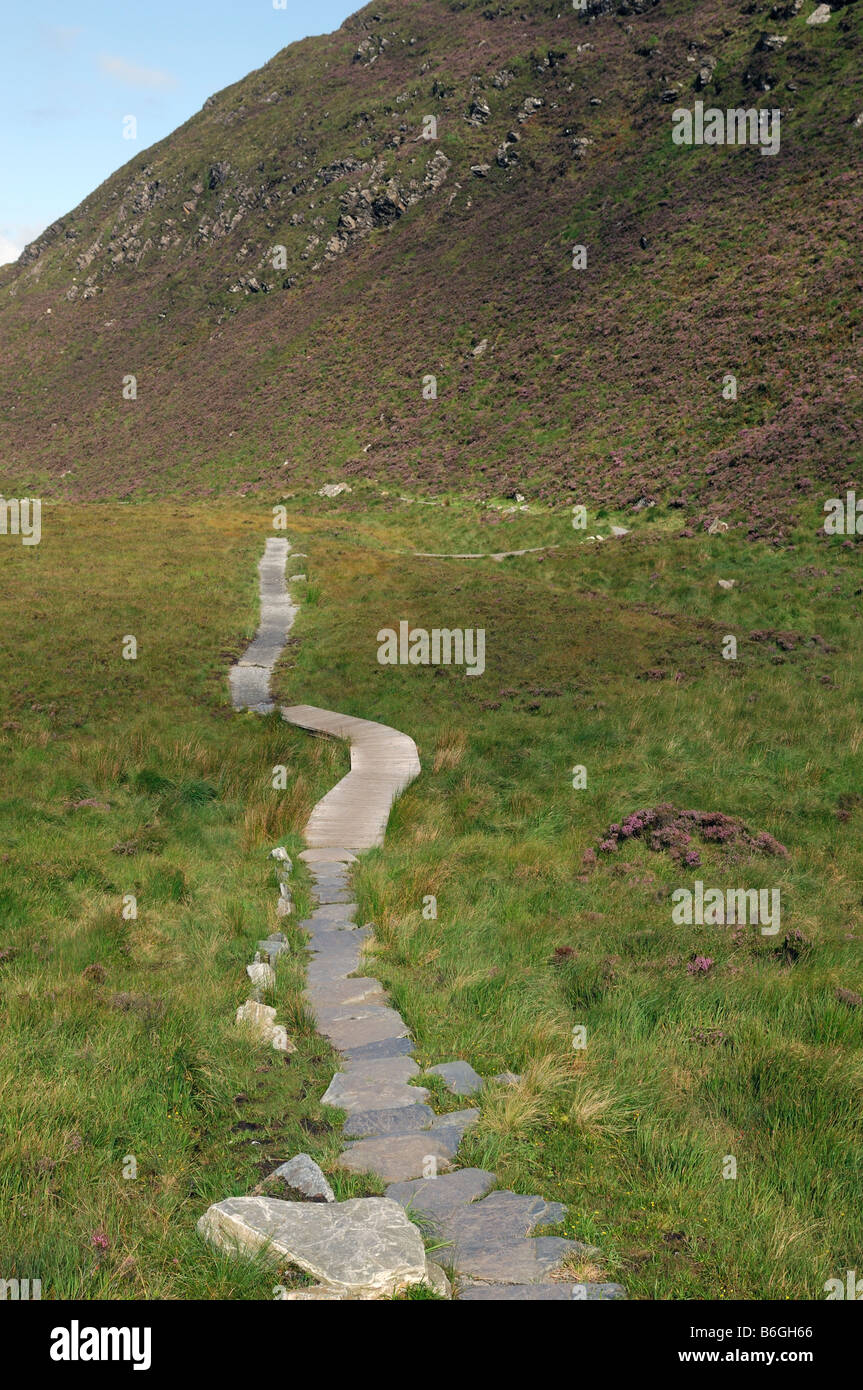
[118,1036]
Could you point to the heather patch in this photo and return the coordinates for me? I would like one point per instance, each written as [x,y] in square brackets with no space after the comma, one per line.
[669,830]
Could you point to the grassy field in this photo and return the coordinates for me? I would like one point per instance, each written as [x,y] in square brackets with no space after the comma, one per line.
[136,777]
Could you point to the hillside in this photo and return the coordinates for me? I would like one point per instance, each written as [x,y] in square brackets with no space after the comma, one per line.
[403,256]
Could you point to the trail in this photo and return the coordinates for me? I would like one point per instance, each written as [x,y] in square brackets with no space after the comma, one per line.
[391,1129]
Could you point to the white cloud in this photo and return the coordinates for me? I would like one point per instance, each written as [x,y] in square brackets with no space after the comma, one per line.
[9,250]
[134,76]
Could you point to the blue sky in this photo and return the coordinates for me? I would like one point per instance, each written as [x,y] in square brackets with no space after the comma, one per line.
[70,73]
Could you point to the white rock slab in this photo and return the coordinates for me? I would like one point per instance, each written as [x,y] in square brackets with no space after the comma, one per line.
[366,1244]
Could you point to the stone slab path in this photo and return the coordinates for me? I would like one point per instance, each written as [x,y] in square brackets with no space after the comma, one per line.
[488,1236]
[250,678]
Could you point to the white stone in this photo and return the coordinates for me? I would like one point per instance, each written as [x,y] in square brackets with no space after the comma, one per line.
[363,1246]
[333,489]
[820,15]
[262,975]
[280,1040]
[259,1017]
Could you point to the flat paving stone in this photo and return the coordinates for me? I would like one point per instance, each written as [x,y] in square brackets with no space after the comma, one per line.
[557,1292]
[510,1261]
[341,955]
[374,1051]
[501,1216]
[371,1124]
[357,1031]
[456,1123]
[381,1069]
[359,1093]
[333,854]
[458,1077]
[332,892]
[336,912]
[439,1198]
[321,970]
[396,1157]
[358,990]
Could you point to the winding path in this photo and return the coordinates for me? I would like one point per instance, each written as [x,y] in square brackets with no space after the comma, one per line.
[391,1130]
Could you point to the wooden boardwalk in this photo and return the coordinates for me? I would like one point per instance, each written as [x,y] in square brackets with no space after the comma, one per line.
[354,813]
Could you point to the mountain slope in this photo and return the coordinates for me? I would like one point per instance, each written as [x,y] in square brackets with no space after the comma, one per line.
[402,255]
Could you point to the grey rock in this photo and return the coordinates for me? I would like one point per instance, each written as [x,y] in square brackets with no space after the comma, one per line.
[273,947]
[439,1198]
[378,1051]
[358,990]
[371,1124]
[397,1157]
[334,894]
[356,1024]
[511,1261]
[302,1175]
[507,1078]
[381,1069]
[451,1129]
[541,1293]
[365,1092]
[502,1216]
[437,1280]
[459,1077]
[356,1247]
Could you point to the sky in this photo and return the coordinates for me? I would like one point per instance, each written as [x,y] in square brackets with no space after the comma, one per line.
[70,74]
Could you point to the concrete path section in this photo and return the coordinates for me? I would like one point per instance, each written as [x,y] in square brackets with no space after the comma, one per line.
[354,814]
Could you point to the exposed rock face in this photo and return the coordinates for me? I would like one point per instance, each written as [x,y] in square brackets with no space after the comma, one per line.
[365,209]
[364,1246]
